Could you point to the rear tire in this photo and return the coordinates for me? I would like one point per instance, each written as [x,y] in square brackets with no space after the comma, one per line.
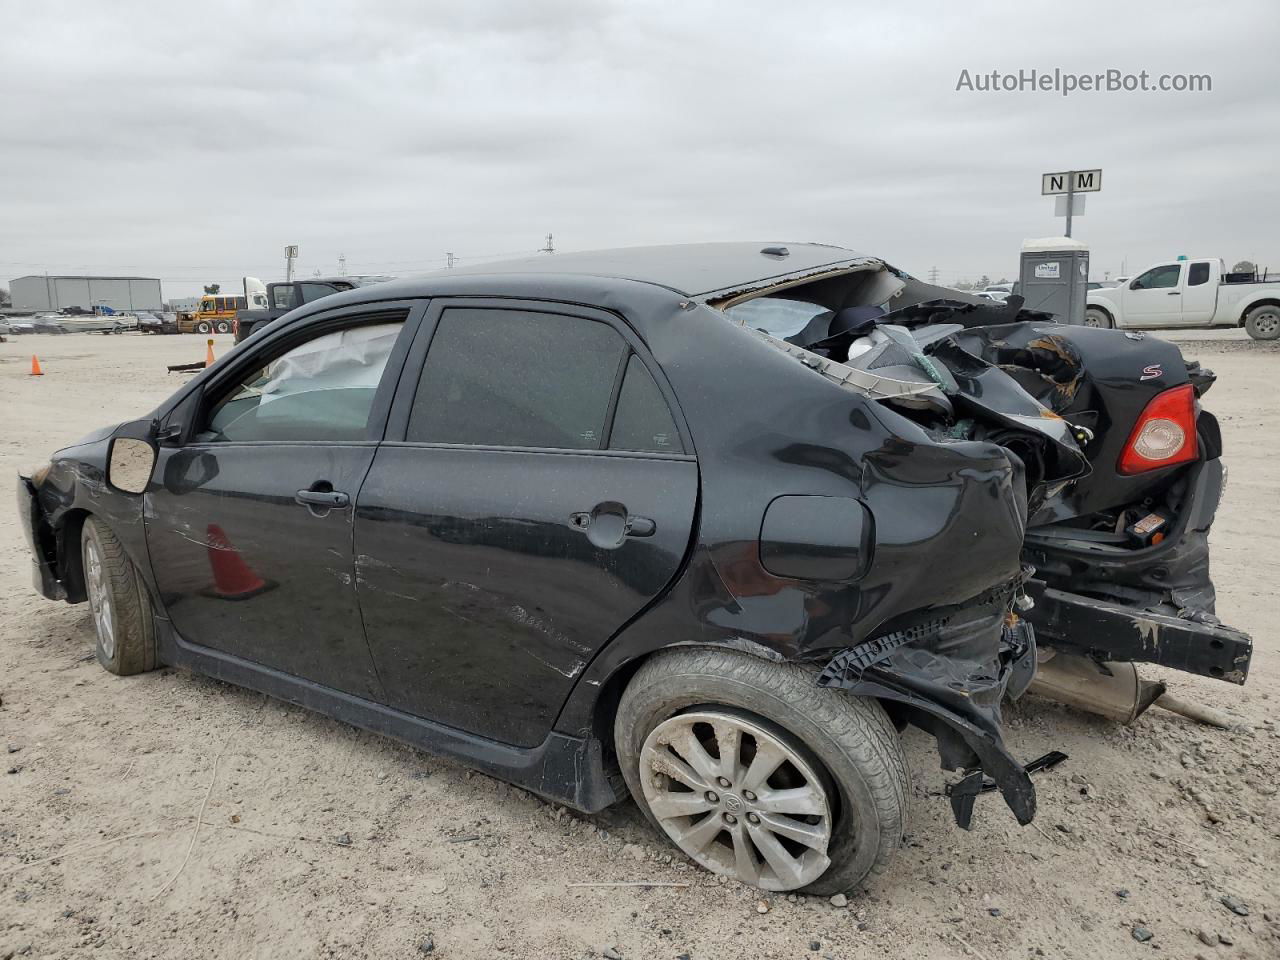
[119,602]
[1093,317]
[833,744]
[1263,323]
[223,327]
[204,327]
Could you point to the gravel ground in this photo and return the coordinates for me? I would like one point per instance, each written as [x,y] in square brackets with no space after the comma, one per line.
[323,841]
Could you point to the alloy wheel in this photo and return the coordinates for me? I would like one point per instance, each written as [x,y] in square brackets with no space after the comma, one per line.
[99,598]
[738,799]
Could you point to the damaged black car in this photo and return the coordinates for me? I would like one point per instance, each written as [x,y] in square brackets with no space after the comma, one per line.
[707,524]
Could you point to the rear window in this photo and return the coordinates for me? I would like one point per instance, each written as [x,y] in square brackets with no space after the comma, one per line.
[777,316]
[1199,274]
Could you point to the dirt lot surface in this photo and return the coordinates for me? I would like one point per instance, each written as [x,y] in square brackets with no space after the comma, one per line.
[323,841]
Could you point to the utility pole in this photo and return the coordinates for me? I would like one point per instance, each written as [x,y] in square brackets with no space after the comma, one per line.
[933,275]
[550,247]
[290,255]
[448,257]
[342,264]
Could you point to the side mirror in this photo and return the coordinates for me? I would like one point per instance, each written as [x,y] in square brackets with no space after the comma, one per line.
[129,464]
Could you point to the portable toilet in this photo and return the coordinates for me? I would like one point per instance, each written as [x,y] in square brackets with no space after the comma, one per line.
[1054,277]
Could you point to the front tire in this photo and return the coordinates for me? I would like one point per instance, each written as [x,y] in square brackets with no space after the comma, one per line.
[1263,323]
[756,773]
[223,327]
[204,327]
[1093,317]
[119,602]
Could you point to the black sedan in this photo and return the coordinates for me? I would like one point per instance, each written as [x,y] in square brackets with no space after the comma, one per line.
[719,518]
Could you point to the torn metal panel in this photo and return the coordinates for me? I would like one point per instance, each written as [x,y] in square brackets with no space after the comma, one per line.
[951,673]
[869,384]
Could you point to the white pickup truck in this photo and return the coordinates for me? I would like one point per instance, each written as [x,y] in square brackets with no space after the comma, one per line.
[1190,293]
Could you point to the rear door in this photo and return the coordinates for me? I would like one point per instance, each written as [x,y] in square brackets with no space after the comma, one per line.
[535,492]
[1199,293]
[249,529]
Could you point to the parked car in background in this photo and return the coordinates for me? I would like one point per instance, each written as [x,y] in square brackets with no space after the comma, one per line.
[282,297]
[685,518]
[1190,293]
[158,323]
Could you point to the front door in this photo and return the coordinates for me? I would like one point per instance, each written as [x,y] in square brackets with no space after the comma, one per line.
[249,528]
[539,495]
[1154,299]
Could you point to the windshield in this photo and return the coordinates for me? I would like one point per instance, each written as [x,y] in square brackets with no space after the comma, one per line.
[776,316]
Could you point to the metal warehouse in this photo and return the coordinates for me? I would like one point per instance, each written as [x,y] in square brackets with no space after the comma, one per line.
[87,293]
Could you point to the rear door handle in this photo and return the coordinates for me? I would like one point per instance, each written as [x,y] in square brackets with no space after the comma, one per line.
[1174,293]
[322,498]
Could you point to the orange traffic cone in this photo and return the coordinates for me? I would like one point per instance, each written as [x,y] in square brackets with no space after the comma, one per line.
[208,354]
[232,578]
[35,366]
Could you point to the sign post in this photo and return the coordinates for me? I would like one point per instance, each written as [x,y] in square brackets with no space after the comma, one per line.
[290,255]
[1071,182]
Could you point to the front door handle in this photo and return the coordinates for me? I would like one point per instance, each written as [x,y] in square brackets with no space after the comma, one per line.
[323,498]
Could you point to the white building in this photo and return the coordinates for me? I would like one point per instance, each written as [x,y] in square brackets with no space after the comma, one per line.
[58,293]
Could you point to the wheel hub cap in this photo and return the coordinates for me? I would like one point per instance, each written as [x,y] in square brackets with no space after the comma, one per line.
[777,839]
[99,598]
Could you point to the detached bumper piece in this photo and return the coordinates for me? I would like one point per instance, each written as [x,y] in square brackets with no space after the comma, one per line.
[964,793]
[949,675]
[1110,631]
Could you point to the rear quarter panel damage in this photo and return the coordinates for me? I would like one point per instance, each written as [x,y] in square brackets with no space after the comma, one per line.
[948,526]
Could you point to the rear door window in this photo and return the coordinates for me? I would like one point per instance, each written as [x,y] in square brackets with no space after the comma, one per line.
[1198,274]
[517,378]
[314,291]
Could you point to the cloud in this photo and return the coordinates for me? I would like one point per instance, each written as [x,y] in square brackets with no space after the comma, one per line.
[192,143]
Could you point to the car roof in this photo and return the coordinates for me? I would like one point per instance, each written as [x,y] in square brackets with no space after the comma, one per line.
[701,272]
[693,269]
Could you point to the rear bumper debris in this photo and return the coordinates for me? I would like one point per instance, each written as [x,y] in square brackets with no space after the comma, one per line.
[1110,631]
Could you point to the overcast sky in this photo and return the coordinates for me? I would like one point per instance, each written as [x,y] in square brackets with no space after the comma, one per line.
[193,141]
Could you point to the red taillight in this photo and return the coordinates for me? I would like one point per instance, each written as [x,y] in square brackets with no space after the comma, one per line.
[1165,434]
